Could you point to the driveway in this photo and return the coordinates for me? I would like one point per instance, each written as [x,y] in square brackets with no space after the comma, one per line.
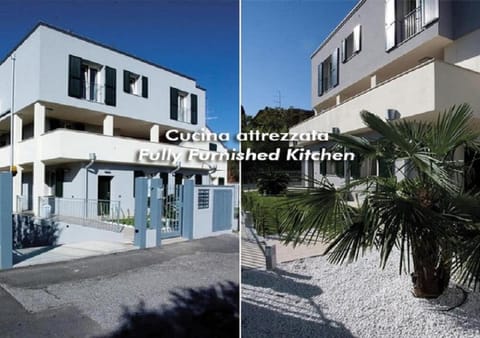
[87,297]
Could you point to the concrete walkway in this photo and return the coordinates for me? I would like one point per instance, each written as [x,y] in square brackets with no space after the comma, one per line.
[70,251]
[87,297]
[253,249]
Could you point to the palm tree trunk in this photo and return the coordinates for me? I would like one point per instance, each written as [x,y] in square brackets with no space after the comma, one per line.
[431,272]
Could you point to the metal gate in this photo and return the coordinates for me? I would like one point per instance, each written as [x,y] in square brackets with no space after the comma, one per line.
[172,213]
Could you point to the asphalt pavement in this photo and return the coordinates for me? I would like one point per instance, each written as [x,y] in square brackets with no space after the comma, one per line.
[87,297]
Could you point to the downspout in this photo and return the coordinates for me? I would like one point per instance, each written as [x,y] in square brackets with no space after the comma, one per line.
[176,169]
[93,157]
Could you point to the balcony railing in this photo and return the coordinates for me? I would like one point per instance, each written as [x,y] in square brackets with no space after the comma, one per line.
[88,211]
[412,23]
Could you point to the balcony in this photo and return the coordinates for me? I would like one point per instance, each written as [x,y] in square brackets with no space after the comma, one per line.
[416,93]
[411,24]
[65,145]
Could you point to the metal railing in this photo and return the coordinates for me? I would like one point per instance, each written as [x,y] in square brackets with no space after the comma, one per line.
[22,203]
[90,210]
[412,23]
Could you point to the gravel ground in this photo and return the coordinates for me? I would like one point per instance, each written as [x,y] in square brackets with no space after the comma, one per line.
[313,298]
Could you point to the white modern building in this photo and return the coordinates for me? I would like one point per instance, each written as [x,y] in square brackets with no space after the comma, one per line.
[406,59]
[81,113]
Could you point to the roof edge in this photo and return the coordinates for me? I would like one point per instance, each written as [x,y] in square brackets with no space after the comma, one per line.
[337,28]
[83,38]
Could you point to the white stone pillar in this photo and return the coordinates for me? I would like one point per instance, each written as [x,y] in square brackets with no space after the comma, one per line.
[373,81]
[155,133]
[108,125]
[17,180]
[38,120]
[17,188]
[38,184]
[38,165]
[338,99]
[18,128]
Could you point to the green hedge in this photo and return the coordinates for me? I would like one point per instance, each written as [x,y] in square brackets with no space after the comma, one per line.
[266,211]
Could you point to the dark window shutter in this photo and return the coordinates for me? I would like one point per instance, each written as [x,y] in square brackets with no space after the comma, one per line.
[335,64]
[110,86]
[126,80]
[390,22]
[173,103]
[74,76]
[430,11]
[145,86]
[194,108]
[320,79]
[357,39]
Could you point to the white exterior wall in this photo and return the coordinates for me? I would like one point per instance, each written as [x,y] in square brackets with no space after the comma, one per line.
[465,52]
[42,75]
[27,75]
[56,47]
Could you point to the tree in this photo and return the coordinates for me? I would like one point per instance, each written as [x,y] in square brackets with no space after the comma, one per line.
[270,120]
[426,214]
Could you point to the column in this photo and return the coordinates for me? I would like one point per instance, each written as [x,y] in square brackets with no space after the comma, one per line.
[373,81]
[38,120]
[38,184]
[155,133]
[108,125]
[338,99]
[17,189]
[17,180]
[38,165]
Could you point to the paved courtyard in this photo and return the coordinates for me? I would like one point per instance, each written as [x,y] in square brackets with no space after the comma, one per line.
[86,297]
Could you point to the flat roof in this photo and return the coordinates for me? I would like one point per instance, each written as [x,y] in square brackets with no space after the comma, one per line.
[60,30]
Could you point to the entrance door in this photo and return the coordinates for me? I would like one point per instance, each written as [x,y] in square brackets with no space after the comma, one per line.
[104,185]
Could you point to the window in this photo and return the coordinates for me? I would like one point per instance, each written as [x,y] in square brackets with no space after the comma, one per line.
[183,113]
[212,147]
[183,106]
[59,179]
[198,179]
[328,73]
[352,44]
[135,84]
[407,18]
[85,81]
[90,81]
[221,181]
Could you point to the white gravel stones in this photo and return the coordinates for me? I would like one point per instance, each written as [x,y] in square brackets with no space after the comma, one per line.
[313,298]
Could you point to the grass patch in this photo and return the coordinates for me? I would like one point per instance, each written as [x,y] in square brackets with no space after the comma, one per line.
[266,211]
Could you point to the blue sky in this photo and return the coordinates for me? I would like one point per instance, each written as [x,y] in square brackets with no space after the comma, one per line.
[278,38]
[197,38]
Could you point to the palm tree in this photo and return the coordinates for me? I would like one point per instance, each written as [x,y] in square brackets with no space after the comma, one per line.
[416,204]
